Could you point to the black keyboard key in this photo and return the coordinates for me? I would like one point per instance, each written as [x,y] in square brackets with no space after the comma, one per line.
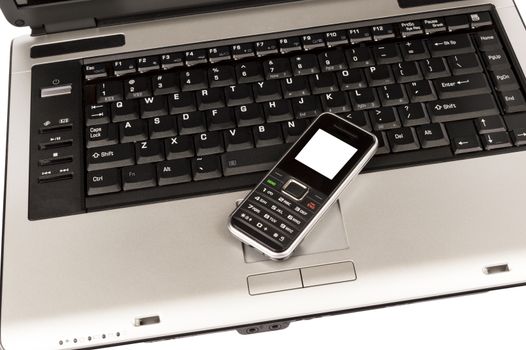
[380,75]
[414,50]
[220,119]
[359,118]
[249,72]
[220,76]
[385,119]
[382,32]
[172,60]
[97,114]
[205,168]
[123,67]
[466,144]
[403,140]
[305,64]
[109,91]
[435,25]
[219,54]
[138,176]
[480,19]
[411,28]
[103,181]
[515,121]
[432,135]
[161,127]
[179,147]
[332,61]
[277,68]
[459,108]
[435,68]
[351,79]
[307,106]
[195,57]
[387,54]
[209,143]
[383,143]
[154,106]
[267,135]
[336,38]
[138,88]
[496,140]
[267,90]
[124,110]
[181,102]
[413,114]
[101,135]
[288,45]
[149,151]
[393,95]
[164,84]
[490,124]
[421,91]
[295,87]
[195,79]
[95,71]
[519,137]
[312,41]
[133,130]
[277,111]
[173,172]
[323,83]
[468,63]
[238,139]
[191,123]
[458,22]
[147,64]
[451,45]
[336,102]
[496,60]
[252,160]
[210,98]
[112,156]
[238,95]
[461,128]
[266,47]
[360,57]
[513,101]
[293,129]
[504,80]
[465,85]
[360,35]
[364,99]
[488,40]
[242,51]
[406,72]
[248,115]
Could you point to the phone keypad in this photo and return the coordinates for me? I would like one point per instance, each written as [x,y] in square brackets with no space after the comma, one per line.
[278,210]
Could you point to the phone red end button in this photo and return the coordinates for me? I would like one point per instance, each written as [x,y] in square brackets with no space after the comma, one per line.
[295,189]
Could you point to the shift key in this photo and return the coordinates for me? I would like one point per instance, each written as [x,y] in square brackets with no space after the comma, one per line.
[110,156]
[461,108]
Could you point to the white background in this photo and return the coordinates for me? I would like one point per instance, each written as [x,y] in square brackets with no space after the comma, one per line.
[494,320]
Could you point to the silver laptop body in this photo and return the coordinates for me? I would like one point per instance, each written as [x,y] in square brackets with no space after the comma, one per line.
[171,268]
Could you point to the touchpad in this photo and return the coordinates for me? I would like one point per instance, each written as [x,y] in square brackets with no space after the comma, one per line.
[329,235]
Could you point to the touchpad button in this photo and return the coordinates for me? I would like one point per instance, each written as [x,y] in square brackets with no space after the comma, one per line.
[329,235]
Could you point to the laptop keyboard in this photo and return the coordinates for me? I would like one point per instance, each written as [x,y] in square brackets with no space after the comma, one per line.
[199,121]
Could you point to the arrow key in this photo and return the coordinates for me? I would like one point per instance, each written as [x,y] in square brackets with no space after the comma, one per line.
[519,137]
[466,144]
[486,125]
[496,140]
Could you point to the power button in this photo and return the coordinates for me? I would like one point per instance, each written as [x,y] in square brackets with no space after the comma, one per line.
[57,90]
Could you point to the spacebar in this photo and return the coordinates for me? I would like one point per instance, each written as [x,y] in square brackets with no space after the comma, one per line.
[252,160]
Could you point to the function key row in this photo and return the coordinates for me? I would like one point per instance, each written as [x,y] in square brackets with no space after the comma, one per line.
[287,45]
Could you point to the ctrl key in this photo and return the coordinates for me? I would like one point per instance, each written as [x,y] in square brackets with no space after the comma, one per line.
[103,181]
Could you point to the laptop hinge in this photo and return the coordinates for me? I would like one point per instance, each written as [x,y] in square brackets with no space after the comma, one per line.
[67,26]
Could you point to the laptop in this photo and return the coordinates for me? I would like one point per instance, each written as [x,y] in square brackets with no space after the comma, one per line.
[135,127]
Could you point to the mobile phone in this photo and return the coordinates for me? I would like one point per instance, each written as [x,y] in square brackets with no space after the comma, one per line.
[284,207]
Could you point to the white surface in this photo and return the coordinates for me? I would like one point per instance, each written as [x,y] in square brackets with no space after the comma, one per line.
[326,154]
[486,321]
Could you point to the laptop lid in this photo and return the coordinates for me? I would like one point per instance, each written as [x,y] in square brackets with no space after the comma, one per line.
[49,16]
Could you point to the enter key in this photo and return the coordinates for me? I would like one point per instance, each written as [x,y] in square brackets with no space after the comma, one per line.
[464,85]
